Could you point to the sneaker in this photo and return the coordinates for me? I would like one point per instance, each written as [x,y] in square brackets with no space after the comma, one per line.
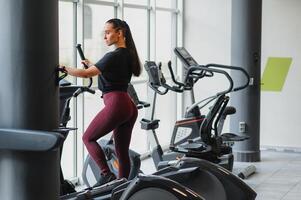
[105,179]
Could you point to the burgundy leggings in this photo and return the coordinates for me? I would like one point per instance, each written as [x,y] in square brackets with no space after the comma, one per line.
[118,115]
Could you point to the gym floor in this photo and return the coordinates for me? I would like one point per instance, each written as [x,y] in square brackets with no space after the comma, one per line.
[277,177]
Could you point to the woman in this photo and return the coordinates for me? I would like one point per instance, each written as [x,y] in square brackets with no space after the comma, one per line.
[114,72]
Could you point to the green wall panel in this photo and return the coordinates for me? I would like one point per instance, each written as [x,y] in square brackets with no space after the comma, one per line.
[275,73]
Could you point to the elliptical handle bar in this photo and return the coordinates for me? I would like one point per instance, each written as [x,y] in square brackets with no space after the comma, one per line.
[83,89]
[156,88]
[82,56]
[81,53]
[165,85]
[64,74]
[245,73]
[172,88]
[204,68]
[173,76]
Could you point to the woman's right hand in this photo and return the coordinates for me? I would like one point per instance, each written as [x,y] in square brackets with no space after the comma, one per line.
[62,68]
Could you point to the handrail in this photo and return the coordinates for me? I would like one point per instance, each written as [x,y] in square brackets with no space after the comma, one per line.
[244,72]
[200,67]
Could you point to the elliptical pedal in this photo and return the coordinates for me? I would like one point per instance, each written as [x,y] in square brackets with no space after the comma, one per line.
[67,187]
[231,137]
[90,193]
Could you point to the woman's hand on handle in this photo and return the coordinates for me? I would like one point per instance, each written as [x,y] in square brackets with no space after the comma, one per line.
[87,62]
[83,73]
[62,68]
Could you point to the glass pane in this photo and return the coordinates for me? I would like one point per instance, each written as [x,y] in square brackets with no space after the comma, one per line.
[139,31]
[94,21]
[66,58]
[139,137]
[139,2]
[163,39]
[164,112]
[164,105]
[65,35]
[164,3]
[101,0]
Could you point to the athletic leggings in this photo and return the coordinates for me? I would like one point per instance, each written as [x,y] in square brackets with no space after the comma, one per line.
[119,115]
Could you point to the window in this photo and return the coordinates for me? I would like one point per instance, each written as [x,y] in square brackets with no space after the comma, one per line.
[164,3]
[66,33]
[95,47]
[66,57]
[163,39]
[139,2]
[88,22]
[139,31]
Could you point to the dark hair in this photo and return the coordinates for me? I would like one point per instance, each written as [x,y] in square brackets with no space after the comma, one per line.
[129,42]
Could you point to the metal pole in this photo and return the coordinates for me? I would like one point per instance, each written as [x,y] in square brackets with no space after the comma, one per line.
[245,52]
[29,96]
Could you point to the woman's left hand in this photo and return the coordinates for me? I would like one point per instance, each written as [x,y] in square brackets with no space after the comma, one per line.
[87,63]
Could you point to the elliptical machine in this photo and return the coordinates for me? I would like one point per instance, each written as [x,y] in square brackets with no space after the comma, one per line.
[211,127]
[207,147]
[204,146]
[67,91]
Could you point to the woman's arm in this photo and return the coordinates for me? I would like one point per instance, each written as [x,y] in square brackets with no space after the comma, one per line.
[83,73]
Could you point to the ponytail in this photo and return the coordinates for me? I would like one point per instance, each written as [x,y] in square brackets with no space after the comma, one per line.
[130,44]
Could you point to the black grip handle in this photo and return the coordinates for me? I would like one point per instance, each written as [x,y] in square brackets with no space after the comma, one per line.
[83,89]
[81,54]
[77,92]
[90,91]
[80,51]
[173,76]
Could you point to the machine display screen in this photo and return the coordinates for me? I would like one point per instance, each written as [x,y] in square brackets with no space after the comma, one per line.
[185,57]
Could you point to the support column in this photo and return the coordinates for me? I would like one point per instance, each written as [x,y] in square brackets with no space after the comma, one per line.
[29,97]
[246,52]
[29,57]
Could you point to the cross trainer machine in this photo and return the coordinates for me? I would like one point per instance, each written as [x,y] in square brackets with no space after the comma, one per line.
[211,128]
[211,148]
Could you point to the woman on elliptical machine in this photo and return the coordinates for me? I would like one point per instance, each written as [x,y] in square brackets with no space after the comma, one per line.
[119,115]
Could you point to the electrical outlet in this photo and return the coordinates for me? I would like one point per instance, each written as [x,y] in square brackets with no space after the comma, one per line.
[251,82]
[242,127]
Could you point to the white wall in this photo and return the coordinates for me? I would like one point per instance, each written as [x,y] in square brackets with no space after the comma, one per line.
[207,32]
[280,111]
